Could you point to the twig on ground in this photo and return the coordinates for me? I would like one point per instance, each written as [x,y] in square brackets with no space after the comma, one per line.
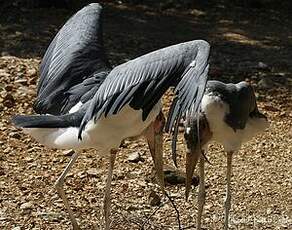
[176,210]
[152,214]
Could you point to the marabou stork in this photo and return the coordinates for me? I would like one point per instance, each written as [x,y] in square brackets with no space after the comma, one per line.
[82,102]
[229,115]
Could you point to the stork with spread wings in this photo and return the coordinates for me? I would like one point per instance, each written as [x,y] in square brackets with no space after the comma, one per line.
[83,102]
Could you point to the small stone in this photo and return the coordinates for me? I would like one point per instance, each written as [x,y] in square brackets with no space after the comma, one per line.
[52,216]
[15,135]
[31,72]
[26,206]
[2,218]
[8,88]
[29,159]
[263,66]
[154,199]
[16,228]
[7,150]
[135,157]
[9,101]
[173,177]
[208,206]
[68,153]
[265,83]
[269,211]
[21,81]
[93,172]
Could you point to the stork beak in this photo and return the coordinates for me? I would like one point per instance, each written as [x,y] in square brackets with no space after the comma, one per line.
[192,157]
[195,139]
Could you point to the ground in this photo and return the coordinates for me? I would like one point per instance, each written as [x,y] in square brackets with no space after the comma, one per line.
[247,44]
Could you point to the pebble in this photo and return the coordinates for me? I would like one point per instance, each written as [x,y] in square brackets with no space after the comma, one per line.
[7,150]
[16,228]
[93,172]
[21,81]
[26,206]
[269,211]
[175,177]
[263,66]
[29,159]
[135,157]
[15,135]
[50,216]
[9,101]
[68,153]
[265,83]
[31,72]
[154,199]
[172,177]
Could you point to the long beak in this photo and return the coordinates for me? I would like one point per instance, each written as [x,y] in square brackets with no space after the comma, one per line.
[192,157]
[195,139]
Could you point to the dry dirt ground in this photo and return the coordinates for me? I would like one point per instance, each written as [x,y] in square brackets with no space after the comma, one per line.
[240,39]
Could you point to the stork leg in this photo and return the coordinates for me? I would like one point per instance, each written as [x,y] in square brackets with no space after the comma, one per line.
[154,136]
[107,200]
[59,186]
[227,203]
[202,193]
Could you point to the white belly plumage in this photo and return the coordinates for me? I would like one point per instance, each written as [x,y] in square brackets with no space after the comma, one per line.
[215,110]
[104,134]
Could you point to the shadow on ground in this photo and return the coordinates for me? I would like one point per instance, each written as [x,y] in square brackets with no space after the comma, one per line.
[240,37]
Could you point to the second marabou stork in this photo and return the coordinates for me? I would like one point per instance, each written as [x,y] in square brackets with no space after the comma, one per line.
[228,115]
[82,102]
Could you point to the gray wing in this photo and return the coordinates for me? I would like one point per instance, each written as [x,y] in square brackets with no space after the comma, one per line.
[142,82]
[75,55]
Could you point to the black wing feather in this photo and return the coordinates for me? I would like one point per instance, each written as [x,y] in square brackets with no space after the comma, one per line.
[151,75]
[75,54]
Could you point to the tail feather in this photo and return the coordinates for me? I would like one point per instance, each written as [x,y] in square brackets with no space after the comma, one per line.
[47,121]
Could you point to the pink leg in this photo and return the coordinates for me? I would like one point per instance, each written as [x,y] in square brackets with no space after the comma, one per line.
[154,136]
[59,186]
[107,194]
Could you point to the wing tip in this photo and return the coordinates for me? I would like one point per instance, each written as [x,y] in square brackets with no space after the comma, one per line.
[95,5]
[203,43]
[81,128]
